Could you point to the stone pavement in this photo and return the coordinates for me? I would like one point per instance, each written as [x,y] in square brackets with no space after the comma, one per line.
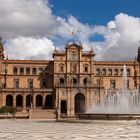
[87,130]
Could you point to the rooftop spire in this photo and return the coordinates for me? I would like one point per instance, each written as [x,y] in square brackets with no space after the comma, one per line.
[138,55]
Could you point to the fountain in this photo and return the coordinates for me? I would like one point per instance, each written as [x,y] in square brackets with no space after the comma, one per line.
[116,103]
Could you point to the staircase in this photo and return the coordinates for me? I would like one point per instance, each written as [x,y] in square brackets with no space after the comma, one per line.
[43,114]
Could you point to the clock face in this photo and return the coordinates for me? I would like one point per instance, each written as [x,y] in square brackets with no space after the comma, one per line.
[74,57]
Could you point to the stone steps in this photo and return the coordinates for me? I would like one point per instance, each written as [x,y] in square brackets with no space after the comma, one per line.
[43,114]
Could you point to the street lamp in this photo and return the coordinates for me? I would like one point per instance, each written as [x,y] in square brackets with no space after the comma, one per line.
[31,100]
[138,59]
[100,85]
[5,75]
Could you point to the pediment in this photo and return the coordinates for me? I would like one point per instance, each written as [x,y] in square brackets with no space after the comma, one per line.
[74,46]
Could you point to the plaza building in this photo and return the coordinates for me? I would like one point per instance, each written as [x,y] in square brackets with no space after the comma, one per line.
[72,82]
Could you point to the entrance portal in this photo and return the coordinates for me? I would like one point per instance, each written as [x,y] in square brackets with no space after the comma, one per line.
[39,101]
[79,103]
[49,102]
[29,100]
[19,101]
[63,106]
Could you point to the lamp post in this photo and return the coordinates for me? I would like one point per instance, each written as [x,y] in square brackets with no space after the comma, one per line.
[138,59]
[31,101]
[100,85]
[5,75]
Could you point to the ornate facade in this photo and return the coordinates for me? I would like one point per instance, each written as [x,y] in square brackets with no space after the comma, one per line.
[71,82]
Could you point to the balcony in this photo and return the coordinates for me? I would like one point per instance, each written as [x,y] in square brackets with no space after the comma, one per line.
[26,89]
[77,85]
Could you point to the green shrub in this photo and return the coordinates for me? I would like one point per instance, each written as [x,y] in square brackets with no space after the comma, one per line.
[6,109]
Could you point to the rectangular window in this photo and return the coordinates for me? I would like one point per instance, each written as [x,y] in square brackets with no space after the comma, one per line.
[62,68]
[74,68]
[113,84]
[30,83]
[16,83]
[44,83]
[86,69]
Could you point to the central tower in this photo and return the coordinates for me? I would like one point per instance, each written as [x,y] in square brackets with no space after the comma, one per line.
[73,79]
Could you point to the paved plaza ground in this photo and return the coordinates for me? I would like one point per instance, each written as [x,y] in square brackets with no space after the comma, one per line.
[87,130]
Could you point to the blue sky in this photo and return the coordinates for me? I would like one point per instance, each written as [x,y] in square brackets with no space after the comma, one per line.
[97,12]
[33,28]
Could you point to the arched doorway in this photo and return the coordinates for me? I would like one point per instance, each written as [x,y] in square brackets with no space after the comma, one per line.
[29,100]
[49,102]
[9,100]
[19,101]
[79,103]
[39,101]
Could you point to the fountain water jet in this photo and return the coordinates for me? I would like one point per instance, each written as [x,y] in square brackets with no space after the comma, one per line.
[121,101]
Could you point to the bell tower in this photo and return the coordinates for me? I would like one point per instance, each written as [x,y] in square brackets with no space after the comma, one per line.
[1,49]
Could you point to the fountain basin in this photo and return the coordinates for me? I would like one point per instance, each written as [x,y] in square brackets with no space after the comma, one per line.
[108,116]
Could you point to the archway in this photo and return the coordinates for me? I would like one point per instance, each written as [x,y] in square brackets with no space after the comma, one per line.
[63,106]
[19,101]
[29,100]
[9,100]
[49,102]
[39,101]
[79,103]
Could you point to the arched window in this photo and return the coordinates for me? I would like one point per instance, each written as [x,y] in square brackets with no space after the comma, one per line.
[74,68]
[28,71]
[73,57]
[121,71]
[112,84]
[128,72]
[40,70]
[110,72]
[34,71]
[98,71]
[85,81]
[62,81]
[115,71]
[21,71]
[74,81]
[61,68]
[104,72]
[85,68]
[15,71]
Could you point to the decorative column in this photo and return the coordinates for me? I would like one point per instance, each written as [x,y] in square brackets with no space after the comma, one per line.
[24,103]
[34,101]
[68,104]
[44,97]
[87,99]
[3,99]
[72,104]
[14,100]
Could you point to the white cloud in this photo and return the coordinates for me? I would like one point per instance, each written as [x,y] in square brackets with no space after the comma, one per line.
[25,18]
[123,39]
[29,48]
[24,21]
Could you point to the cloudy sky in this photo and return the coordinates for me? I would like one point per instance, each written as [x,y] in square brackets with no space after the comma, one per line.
[31,29]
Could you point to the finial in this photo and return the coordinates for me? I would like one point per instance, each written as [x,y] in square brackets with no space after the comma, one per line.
[72,35]
[7,57]
[0,39]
